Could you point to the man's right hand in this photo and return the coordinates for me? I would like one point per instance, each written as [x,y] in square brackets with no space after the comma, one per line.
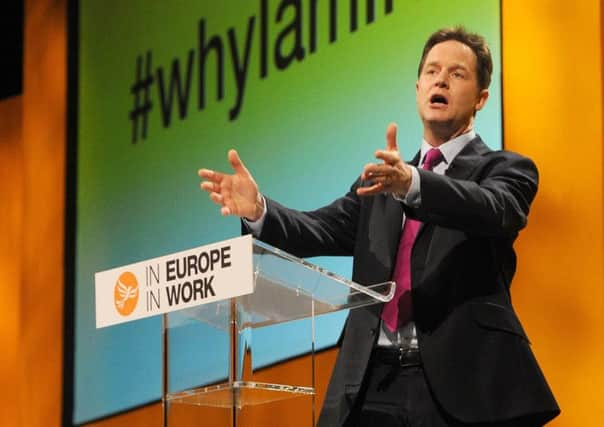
[236,194]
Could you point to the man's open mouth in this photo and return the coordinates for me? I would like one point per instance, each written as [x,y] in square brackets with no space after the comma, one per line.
[438,99]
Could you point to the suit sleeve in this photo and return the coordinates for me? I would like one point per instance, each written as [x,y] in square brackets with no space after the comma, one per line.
[496,203]
[330,230]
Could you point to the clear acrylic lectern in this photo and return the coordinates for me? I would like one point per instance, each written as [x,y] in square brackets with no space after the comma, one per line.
[286,289]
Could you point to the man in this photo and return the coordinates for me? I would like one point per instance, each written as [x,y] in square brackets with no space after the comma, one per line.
[449,349]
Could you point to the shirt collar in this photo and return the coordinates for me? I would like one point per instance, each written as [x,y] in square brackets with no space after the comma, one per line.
[449,149]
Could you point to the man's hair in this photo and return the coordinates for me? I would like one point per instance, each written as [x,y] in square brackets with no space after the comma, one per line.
[484,62]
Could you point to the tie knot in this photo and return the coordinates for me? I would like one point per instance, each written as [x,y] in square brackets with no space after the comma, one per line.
[433,157]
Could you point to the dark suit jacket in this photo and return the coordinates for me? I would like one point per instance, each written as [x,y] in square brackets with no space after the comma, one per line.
[475,353]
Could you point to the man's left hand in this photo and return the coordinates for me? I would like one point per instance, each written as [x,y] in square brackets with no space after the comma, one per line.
[391,176]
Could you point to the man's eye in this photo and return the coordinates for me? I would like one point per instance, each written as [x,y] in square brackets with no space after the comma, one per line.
[458,75]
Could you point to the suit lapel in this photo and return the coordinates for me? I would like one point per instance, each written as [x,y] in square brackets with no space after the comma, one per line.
[393,220]
[462,167]
[467,160]
[415,160]
[463,164]
[384,231]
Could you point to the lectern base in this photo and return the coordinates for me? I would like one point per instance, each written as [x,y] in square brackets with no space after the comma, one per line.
[238,394]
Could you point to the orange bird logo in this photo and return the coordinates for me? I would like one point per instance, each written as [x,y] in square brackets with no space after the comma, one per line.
[125,293]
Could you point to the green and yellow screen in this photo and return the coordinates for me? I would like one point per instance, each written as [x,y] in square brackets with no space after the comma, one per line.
[303,89]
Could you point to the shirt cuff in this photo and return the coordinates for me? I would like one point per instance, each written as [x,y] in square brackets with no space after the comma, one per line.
[413,196]
[256,226]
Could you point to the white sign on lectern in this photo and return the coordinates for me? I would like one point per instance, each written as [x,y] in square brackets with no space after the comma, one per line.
[172,282]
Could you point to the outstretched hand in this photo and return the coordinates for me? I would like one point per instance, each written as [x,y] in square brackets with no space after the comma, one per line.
[236,194]
[391,176]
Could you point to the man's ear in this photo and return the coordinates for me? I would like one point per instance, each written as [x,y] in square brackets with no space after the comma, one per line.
[482,99]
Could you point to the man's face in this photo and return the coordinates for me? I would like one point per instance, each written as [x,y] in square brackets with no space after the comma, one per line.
[447,90]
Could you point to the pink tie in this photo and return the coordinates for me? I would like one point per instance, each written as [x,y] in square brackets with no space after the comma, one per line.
[398,310]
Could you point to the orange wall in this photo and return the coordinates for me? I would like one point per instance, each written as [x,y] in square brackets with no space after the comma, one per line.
[552,95]
[11,217]
[552,76]
[31,264]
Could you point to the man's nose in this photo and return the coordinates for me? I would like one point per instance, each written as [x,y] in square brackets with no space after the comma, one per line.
[442,80]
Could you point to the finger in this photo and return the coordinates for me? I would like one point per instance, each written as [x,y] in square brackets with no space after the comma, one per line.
[371,190]
[370,170]
[390,157]
[364,176]
[217,198]
[210,187]
[373,170]
[236,163]
[385,180]
[391,137]
[225,211]
[210,175]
